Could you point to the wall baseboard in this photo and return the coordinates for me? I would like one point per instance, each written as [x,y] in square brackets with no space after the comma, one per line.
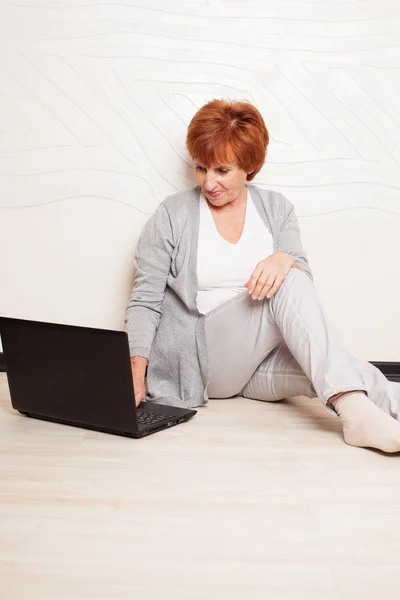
[390,369]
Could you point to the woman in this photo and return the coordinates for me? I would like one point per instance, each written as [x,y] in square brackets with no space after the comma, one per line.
[223,302]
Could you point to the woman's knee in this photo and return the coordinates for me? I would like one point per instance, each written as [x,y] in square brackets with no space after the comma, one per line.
[295,279]
[297,275]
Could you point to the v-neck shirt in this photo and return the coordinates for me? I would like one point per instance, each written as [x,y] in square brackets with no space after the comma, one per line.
[223,267]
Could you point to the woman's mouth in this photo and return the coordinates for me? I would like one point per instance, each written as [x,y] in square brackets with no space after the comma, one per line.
[214,194]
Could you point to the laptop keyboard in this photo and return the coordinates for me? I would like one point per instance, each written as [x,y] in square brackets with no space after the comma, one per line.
[149,418]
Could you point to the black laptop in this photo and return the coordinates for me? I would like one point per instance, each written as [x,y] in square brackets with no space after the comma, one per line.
[78,376]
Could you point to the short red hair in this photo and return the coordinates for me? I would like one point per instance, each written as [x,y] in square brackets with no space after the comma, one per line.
[226,131]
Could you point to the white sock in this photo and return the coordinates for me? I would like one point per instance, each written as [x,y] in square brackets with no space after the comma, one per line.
[365,425]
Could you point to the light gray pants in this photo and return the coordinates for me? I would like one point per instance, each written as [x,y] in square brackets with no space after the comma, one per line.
[286,346]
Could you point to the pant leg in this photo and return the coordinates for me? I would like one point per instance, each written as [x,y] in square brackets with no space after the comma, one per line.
[240,333]
[279,376]
[243,332]
[315,345]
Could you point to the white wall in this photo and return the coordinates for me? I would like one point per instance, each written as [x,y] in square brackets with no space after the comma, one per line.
[94,104]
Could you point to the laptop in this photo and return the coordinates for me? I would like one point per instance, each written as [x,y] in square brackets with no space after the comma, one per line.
[78,376]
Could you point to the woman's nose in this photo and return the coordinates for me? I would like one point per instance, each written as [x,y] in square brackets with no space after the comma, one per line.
[209,182]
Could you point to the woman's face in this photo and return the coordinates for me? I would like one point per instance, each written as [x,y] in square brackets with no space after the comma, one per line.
[220,184]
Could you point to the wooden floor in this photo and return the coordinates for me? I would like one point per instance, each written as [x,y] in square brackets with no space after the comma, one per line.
[249,501]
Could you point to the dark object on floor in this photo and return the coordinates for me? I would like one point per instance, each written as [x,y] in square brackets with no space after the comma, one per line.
[78,376]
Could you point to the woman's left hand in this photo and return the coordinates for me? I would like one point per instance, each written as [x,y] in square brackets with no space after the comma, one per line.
[268,275]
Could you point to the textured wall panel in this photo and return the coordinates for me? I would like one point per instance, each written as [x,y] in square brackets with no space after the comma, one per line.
[95,98]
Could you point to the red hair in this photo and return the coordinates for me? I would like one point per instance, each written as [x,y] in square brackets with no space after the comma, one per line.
[225,131]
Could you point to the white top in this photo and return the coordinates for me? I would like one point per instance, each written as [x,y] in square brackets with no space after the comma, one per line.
[222,267]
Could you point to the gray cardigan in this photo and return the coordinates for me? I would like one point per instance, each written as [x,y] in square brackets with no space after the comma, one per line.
[162,319]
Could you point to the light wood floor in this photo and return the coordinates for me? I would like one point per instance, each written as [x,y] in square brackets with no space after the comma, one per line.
[248,501]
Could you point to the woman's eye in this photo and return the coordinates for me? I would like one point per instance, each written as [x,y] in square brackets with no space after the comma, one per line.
[222,171]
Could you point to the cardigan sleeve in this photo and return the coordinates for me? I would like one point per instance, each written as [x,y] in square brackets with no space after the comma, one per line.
[152,264]
[289,240]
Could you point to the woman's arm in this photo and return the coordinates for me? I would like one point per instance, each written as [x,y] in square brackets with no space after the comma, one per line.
[153,263]
[290,239]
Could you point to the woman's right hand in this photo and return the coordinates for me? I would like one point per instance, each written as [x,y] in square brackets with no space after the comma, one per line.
[140,392]
[138,364]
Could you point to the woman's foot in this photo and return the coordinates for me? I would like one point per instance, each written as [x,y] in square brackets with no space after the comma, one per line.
[365,425]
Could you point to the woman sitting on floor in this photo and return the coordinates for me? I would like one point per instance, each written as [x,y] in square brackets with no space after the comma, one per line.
[223,302]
